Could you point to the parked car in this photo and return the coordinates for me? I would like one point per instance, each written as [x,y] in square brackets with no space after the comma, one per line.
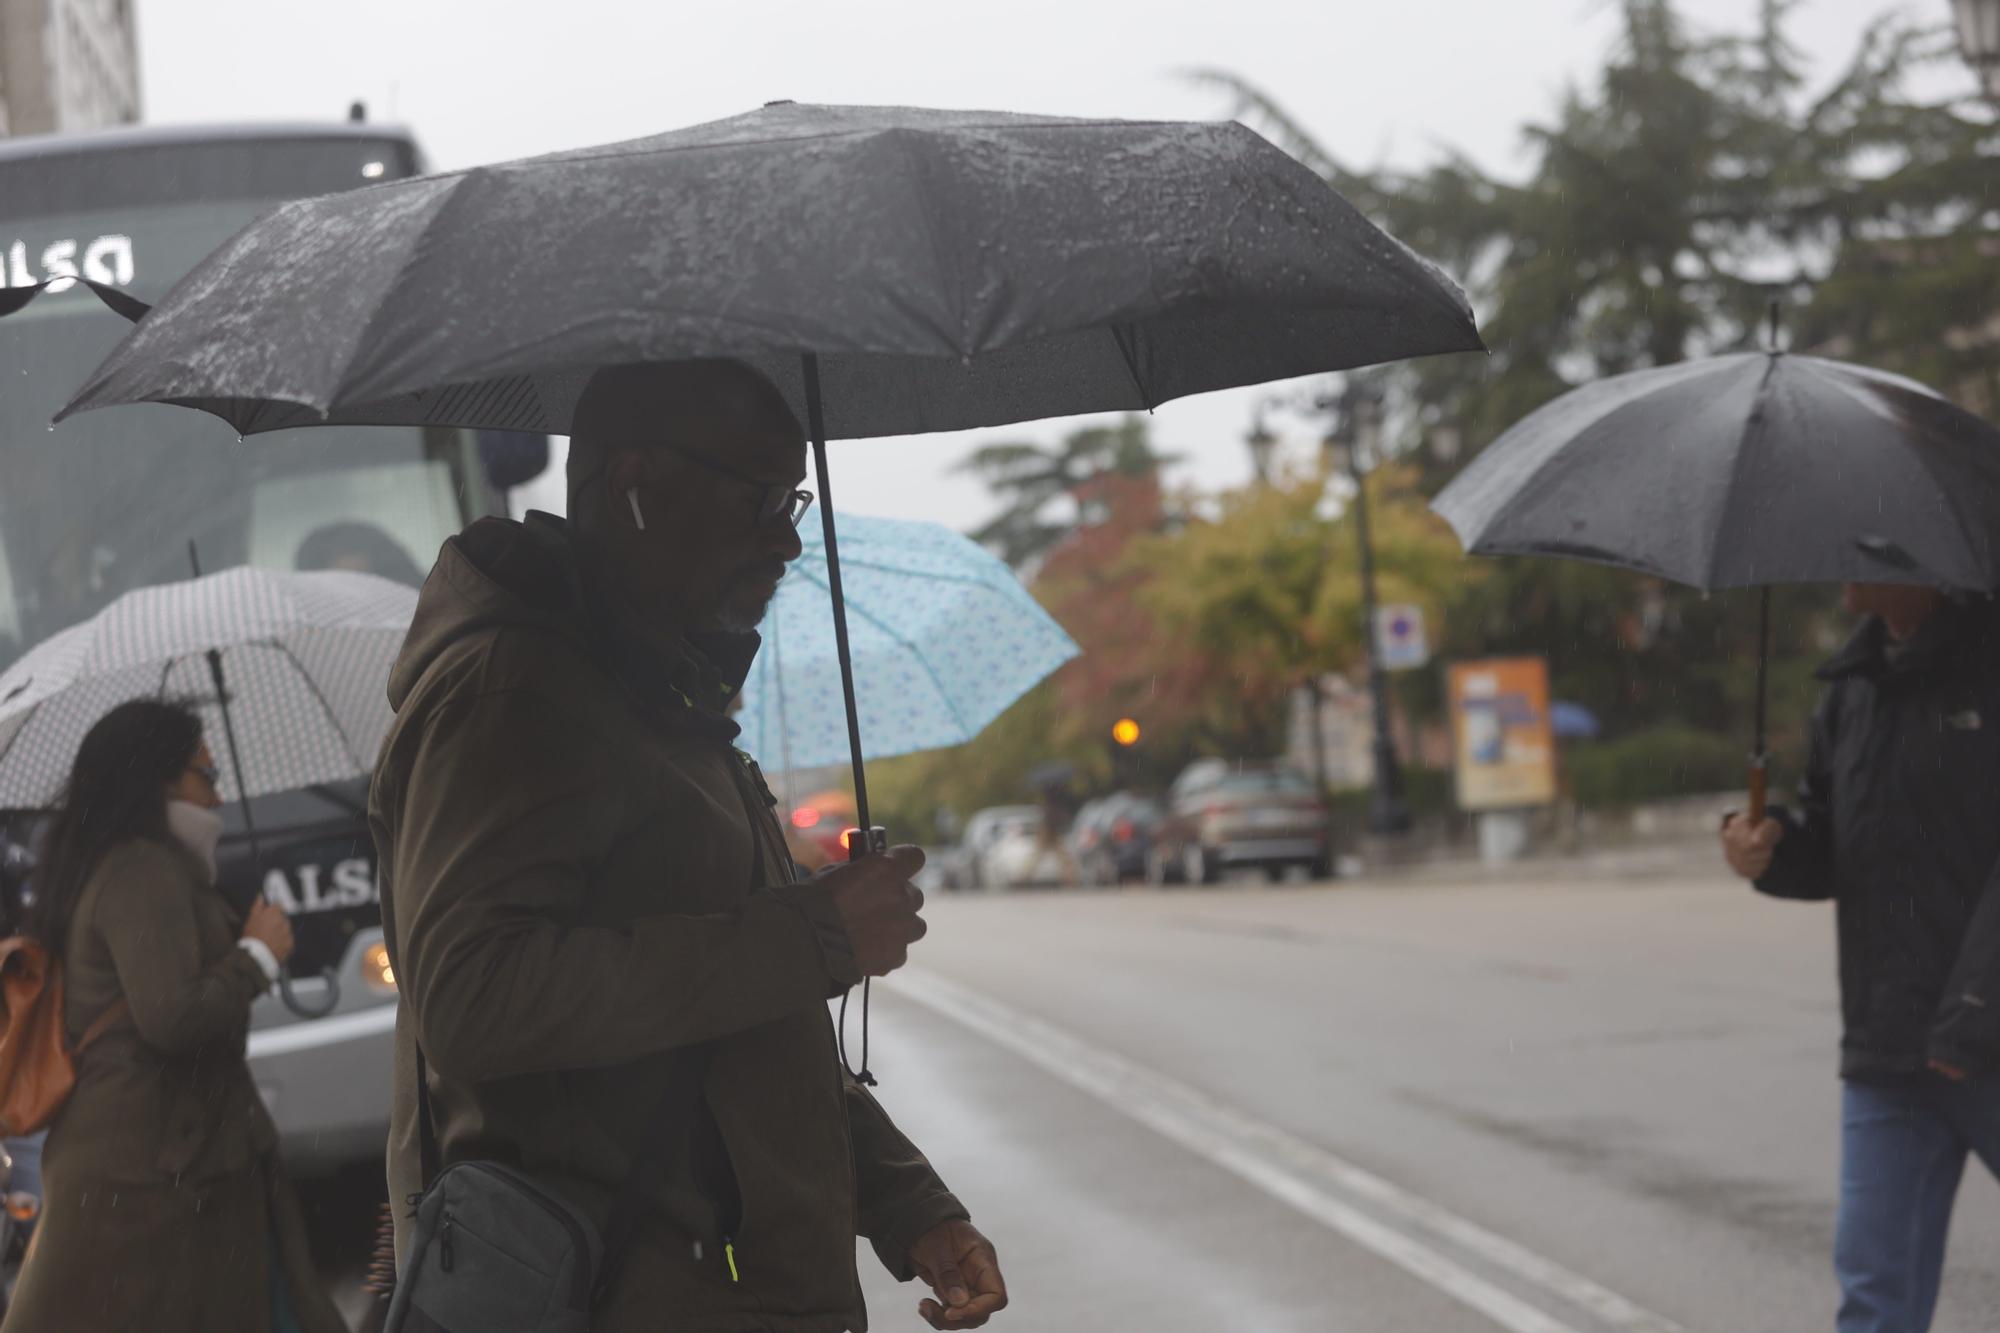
[1003,848]
[816,829]
[1111,836]
[1227,814]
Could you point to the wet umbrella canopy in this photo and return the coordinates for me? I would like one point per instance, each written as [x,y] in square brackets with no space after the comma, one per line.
[1745,471]
[949,269]
[893,270]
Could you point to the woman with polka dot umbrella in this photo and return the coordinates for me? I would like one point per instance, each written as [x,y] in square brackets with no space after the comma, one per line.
[304,659]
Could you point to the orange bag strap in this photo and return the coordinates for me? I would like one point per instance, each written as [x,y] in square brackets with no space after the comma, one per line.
[101,1024]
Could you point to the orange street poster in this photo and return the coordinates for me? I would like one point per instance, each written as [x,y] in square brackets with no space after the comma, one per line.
[1503,749]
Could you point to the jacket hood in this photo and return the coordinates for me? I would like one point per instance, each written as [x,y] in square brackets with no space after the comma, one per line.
[496,573]
[500,573]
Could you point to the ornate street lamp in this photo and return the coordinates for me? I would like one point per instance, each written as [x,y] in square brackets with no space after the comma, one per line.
[1979,40]
[1356,434]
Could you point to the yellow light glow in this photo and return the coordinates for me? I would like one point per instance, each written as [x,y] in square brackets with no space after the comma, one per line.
[376,970]
[1125,731]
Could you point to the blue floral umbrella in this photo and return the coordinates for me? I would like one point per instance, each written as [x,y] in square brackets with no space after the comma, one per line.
[944,638]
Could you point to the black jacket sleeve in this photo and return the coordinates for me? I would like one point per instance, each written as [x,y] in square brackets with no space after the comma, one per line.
[1802,866]
[1966,1032]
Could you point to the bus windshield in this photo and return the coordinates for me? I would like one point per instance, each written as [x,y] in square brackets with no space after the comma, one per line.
[110,500]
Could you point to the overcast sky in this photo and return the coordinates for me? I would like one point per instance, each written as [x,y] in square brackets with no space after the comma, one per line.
[484,80]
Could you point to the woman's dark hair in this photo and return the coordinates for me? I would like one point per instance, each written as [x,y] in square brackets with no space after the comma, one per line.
[116,791]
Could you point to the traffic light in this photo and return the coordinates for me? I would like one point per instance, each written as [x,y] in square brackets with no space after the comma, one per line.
[1125,731]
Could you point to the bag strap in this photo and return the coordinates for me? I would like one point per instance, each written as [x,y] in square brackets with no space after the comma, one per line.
[101,1024]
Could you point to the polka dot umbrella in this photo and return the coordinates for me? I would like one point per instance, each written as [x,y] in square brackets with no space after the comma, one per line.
[944,638]
[290,671]
[306,658]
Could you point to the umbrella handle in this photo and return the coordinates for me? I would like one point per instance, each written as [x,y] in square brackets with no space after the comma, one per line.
[1760,776]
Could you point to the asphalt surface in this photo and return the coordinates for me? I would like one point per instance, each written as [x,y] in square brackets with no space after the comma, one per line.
[1583,1105]
[1597,1100]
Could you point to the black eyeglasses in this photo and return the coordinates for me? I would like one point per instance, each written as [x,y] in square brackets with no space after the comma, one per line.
[778,499]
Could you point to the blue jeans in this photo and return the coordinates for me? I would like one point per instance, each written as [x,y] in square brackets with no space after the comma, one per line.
[1903,1151]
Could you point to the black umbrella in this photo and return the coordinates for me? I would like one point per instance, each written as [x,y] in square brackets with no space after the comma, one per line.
[1745,471]
[893,270]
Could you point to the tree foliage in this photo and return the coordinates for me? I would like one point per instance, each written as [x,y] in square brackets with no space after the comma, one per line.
[1695,180]
[1269,592]
[1038,484]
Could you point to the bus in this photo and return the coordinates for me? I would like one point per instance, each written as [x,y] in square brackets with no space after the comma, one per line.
[109,501]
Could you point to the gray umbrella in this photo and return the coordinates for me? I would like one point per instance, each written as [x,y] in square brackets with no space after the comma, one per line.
[949,269]
[894,270]
[1745,471]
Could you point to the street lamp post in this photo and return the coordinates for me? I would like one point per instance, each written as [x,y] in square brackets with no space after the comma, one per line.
[1260,442]
[1979,40]
[1357,428]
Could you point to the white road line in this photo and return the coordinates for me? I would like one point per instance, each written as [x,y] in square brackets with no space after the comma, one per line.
[1247,1146]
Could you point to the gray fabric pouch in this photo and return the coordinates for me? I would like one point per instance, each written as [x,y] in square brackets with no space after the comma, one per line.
[493,1252]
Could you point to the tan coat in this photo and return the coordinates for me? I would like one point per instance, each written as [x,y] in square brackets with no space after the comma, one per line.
[165,1206]
[571,882]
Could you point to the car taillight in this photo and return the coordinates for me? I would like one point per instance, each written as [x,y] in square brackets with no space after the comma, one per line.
[377,973]
[1124,830]
[22,1206]
[805,817]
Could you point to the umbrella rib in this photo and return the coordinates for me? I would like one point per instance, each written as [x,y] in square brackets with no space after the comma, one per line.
[319,697]
[451,196]
[915,652]
[925,575]
[1753,428]
[1119,336]
[1962,529]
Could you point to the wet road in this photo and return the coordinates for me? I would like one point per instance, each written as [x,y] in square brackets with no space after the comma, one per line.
[1554,1108]
[1600,1105]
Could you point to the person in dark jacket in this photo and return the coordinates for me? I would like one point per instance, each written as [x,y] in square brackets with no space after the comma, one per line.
[600,940]
[165,1206]
[1898,822]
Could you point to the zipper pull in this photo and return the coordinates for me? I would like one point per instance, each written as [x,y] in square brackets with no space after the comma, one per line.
[444,1244]
[729,1253]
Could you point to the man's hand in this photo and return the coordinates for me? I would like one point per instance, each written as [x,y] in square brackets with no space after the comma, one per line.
[879,906]
[960,1266]
[1749,848]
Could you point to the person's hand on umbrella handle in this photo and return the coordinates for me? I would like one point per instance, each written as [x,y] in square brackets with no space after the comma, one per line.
[268,924]
[1749,847]
[879,906]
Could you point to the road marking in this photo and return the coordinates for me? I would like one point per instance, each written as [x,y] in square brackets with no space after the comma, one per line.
[1290,1169]
[308,1033]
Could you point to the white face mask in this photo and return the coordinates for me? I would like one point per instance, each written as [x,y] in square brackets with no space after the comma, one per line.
[198,828]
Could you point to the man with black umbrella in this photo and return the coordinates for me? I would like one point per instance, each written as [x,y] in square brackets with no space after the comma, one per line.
[617,986]
[1899,823]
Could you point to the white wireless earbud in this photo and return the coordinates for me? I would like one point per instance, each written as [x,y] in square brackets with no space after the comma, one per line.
[632,498]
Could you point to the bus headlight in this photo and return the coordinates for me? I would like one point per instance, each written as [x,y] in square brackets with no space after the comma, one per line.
[376,972]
